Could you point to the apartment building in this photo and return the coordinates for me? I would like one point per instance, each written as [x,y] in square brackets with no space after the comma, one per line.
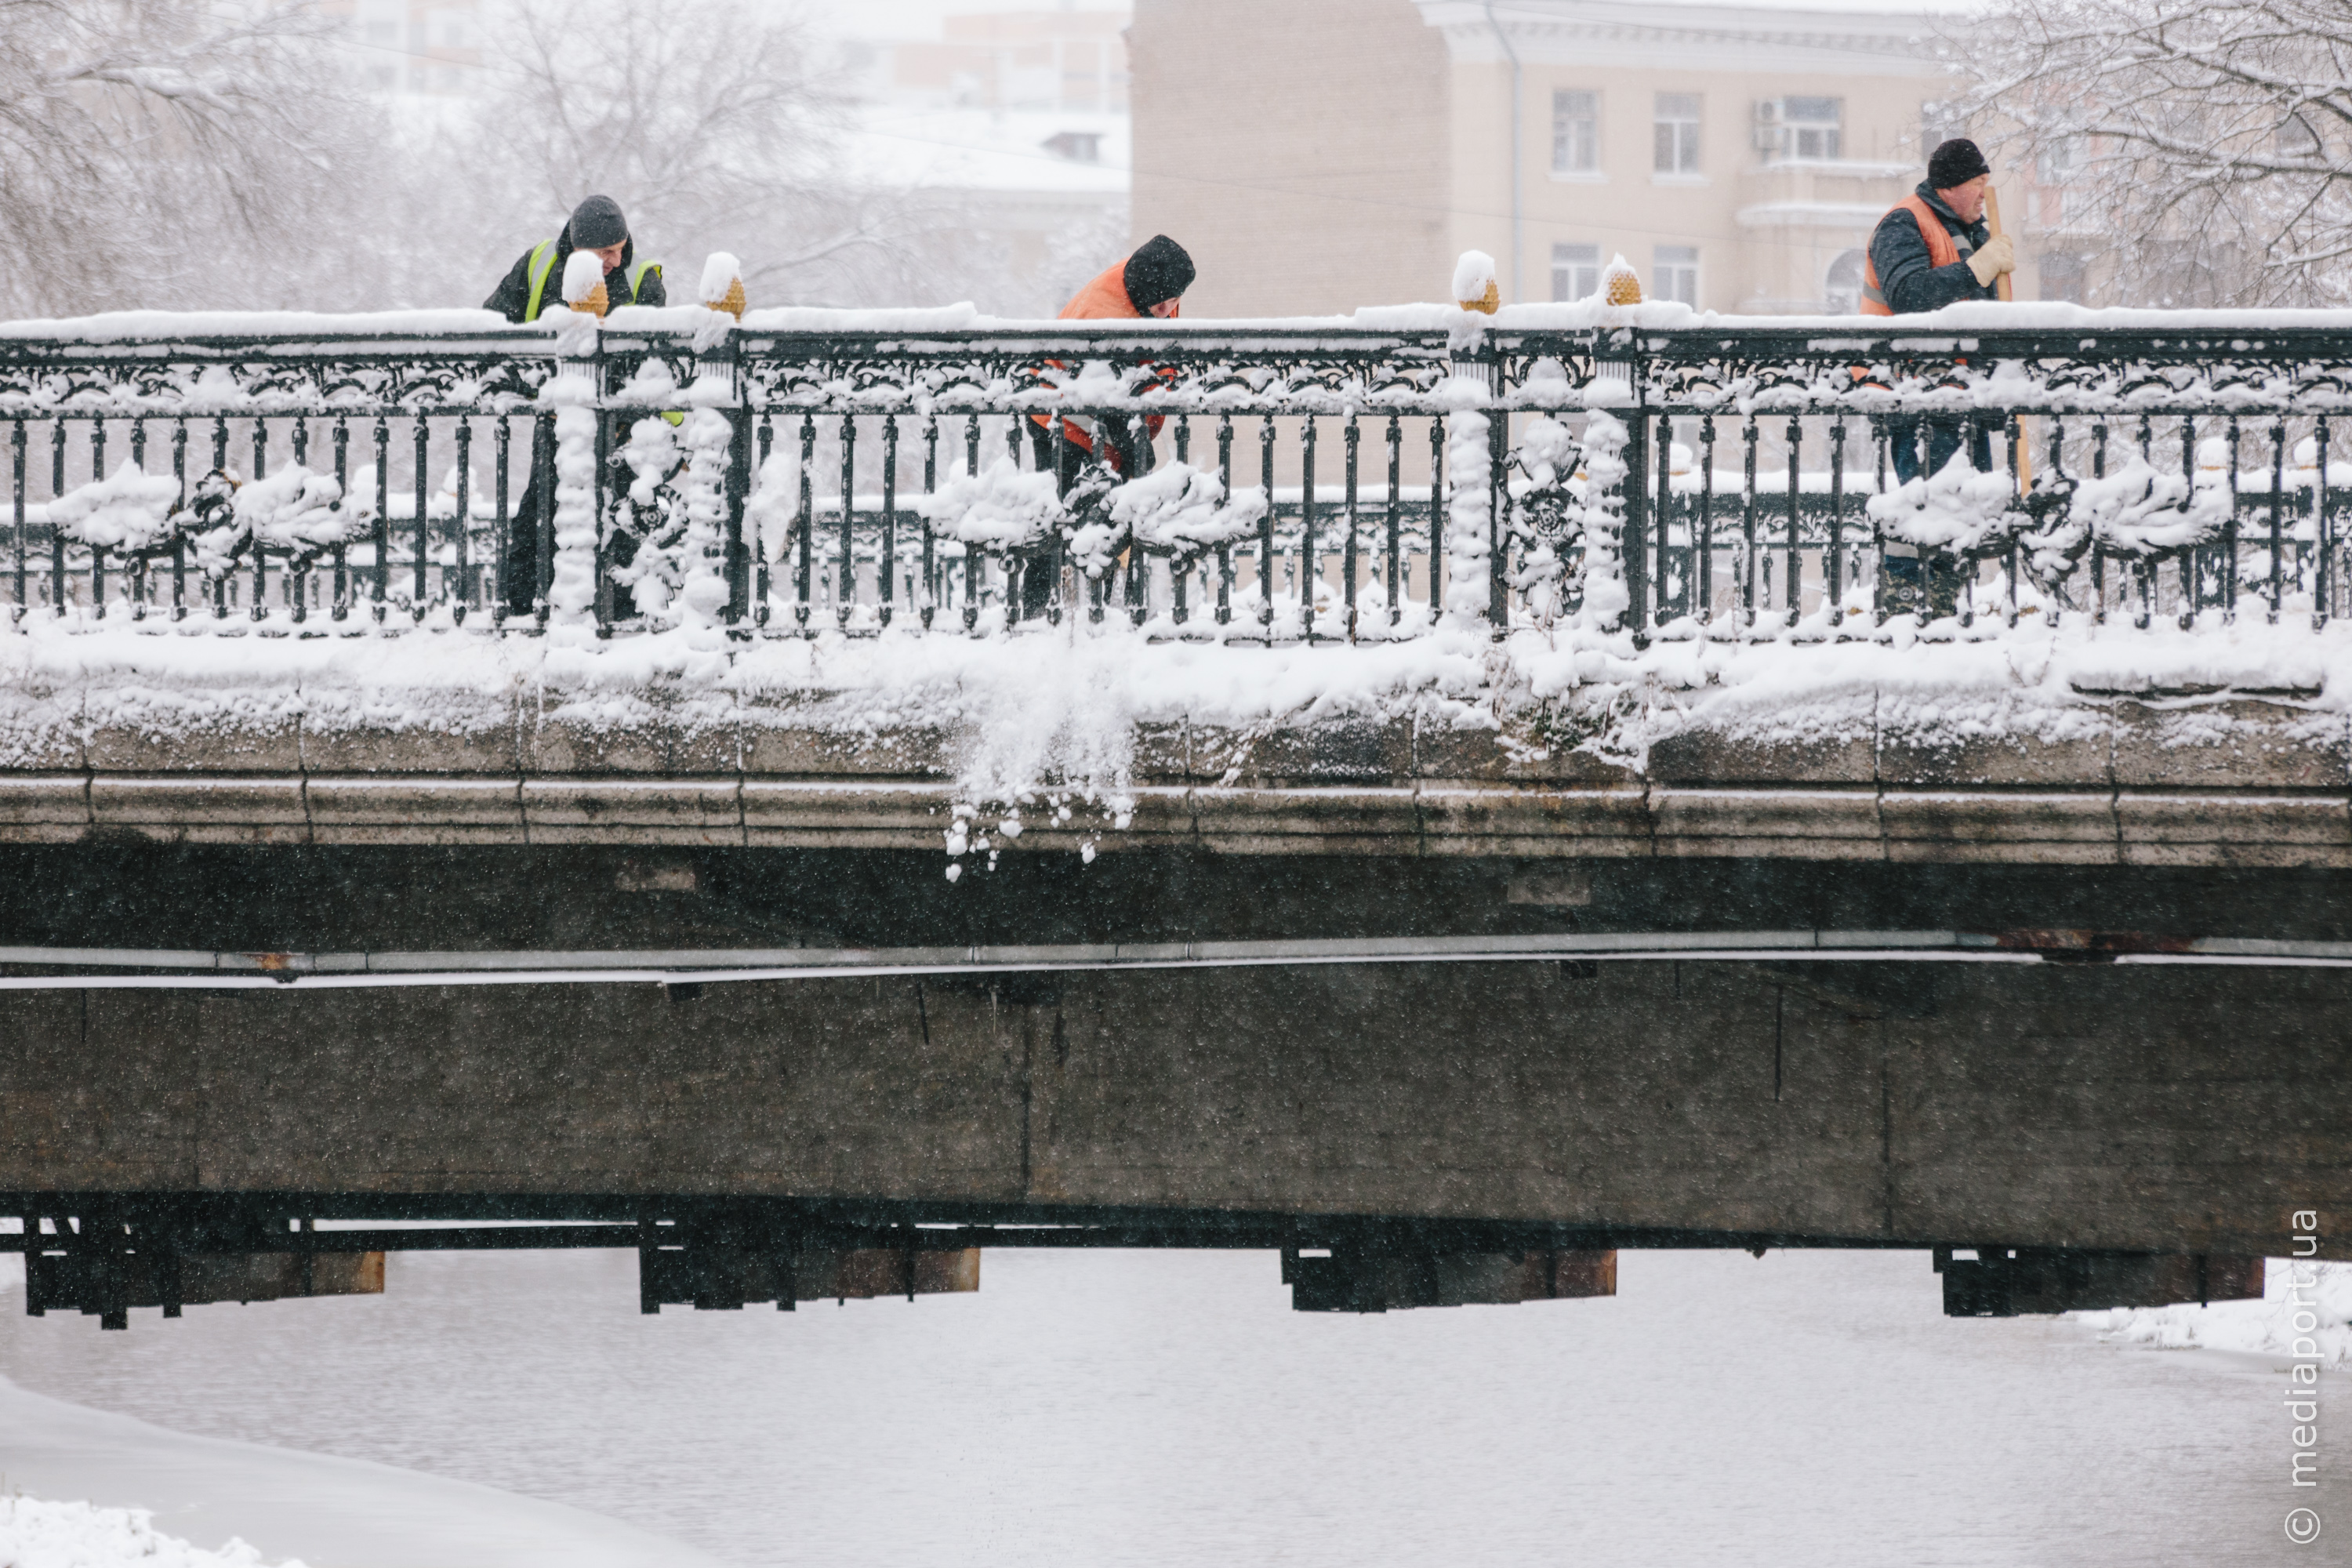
[423,46]
[1316,155]
[1064,59]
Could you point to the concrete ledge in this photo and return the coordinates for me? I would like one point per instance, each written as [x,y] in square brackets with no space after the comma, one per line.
[415,811]
[632,811]
[1963,826]
[2233,829]
[1849,815]
[202,810]
[29,800]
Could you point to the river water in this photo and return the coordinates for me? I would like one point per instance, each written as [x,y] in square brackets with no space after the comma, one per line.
[1111,1408]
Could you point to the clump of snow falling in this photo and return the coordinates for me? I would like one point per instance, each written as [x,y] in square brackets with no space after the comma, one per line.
[293,508]
[1002,507]
[129,509]
[1955,508]
[1183,509]
[38,1534]
[1471,273]
[584,272]
[720,273]
[773,509]
[2305,1313]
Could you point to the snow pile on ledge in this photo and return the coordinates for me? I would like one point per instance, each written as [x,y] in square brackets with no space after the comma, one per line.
[2267,1327]
[37,1534]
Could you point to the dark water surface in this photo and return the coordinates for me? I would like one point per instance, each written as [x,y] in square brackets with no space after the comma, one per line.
[1102,1409]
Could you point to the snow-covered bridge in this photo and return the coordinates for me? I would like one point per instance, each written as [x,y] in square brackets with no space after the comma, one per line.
[1434,809]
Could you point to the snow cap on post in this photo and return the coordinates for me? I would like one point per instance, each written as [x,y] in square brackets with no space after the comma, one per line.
[1475,288]
[597,223]
[1619,285]
[583,282]
[722,284]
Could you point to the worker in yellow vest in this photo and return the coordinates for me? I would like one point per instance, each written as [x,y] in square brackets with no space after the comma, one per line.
[531,285]
[537,279]
[1932,249]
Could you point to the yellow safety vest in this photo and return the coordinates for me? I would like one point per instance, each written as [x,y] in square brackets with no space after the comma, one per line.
[542,262]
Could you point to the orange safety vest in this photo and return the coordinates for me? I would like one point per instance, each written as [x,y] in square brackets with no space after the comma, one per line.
[1103,299]
[1943,250]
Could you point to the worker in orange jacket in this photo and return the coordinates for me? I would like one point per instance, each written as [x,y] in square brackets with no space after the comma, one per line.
[1934,249]
[1152,282]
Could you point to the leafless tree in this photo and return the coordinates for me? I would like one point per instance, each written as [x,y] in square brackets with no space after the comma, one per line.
[715,127]
[164,154]
[2209,146]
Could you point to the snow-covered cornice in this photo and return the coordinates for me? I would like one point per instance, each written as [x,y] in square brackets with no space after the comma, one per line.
[1897,41]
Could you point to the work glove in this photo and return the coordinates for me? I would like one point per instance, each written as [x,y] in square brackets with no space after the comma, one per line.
[1997,257]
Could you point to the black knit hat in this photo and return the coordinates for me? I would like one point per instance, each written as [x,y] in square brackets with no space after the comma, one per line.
[1157,272]
[597,223]
[1956,162]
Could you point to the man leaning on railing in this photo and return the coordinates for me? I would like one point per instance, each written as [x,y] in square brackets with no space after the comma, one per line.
[1934,249]
[596,225]
[1152,282]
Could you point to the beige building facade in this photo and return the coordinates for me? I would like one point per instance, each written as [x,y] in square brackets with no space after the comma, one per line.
[1318,156]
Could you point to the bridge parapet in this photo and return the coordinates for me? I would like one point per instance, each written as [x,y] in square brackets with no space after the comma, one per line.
[839,603]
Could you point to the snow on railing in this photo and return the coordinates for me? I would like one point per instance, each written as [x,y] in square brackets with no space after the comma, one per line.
[1423,467]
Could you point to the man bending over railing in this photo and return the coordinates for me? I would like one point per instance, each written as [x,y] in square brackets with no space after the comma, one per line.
[597,226]
[1152,282]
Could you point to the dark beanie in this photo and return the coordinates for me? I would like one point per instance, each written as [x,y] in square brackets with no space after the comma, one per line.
[1956,162]
[597,223]
[1157,272]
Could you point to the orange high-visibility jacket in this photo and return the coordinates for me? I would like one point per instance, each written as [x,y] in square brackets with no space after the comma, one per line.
[1102,300]
[1943,250]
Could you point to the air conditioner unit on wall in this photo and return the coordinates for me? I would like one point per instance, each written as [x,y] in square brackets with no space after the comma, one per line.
[1771,134]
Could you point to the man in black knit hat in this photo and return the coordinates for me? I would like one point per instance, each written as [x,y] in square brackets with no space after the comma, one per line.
[1095,451]
[1933,249]
[531,285]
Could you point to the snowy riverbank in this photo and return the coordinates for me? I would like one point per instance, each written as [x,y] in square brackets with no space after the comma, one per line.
[83,1488]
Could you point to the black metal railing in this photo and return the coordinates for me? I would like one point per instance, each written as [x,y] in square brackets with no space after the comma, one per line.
[1305,483]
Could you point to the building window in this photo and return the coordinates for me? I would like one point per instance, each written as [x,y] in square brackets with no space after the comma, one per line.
[2063,277]
[2057,159]
[1939,123]
[1842,286]
[1678,133]
[1675,274]
[1575,133]
[1812,124]
[1575,271]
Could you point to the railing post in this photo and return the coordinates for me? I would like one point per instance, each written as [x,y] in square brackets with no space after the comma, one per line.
[2323,576]
[1664,520]
[382,572]
[1499,503]
[1633,552]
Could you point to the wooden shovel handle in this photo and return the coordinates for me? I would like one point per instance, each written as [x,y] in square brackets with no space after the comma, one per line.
[2024,424]
[1992,217]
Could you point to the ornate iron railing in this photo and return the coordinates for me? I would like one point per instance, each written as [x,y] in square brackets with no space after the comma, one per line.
[1340,483]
